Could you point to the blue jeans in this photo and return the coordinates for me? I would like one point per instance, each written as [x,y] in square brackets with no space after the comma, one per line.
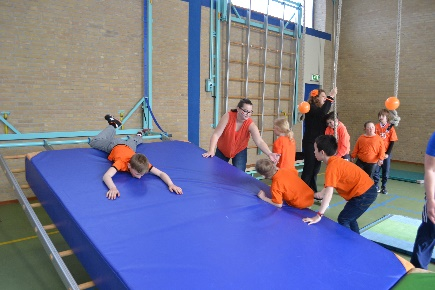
[355,207]
[238,161]
[385,172]
[424,242]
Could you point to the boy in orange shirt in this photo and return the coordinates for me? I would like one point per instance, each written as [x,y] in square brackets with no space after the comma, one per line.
[286,186]
[387,132]
[122,153]
[350,181]
[369,148]
[342,135]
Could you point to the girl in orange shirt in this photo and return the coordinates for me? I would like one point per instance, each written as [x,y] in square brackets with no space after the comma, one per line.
[285,144]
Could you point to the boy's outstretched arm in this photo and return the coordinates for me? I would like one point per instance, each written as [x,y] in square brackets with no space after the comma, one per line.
[263,196]
[113,192]
[327,196]
[166,179]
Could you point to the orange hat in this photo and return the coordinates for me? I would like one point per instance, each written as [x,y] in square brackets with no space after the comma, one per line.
[314,93]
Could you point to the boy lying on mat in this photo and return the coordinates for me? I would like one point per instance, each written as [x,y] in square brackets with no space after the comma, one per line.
[122,153]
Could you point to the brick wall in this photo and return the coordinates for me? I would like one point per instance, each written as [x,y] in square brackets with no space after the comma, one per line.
[366,70]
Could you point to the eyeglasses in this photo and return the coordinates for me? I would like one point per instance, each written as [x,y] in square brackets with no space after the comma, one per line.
[246,111]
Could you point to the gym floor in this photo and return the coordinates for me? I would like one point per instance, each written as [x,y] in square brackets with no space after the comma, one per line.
[25,264]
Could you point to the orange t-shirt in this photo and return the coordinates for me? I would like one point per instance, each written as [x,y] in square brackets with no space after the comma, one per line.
[343,139]
[369,149]
[287,148]
[121,155]
[231,141]
[386,135]
[286,185]
[347,178]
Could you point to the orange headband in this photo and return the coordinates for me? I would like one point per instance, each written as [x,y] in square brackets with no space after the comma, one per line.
[314,93]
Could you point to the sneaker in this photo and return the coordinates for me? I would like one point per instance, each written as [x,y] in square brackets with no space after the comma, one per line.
[378,190]
[384,190]
[112,121]
[142,132]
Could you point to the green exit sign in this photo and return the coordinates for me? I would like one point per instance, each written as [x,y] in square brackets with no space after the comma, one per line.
[315,78]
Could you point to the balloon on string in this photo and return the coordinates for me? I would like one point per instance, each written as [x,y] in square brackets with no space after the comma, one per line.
[392,103]
[304,107]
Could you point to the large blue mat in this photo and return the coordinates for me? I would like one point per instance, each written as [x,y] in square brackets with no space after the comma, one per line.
[217,235]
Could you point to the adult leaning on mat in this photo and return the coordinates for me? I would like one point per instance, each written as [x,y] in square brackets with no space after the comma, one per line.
[231,136]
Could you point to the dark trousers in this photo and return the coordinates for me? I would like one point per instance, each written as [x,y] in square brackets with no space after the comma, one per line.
[355,207]
[367,167]
[311,166]
[385,172]
[424,242]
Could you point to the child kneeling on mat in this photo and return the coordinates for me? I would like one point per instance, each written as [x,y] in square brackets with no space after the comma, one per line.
[286,186]
[122,153]
[350,181]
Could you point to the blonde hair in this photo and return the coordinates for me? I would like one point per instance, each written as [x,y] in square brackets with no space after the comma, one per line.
[265,167]
[284,127]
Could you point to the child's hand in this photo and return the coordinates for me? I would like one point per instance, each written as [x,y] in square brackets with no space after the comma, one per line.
[176,189]
[113,193]
[315,219]
[318,195]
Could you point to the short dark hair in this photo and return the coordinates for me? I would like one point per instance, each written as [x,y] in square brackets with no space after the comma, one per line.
[140,163]
[330,116]
[327,143]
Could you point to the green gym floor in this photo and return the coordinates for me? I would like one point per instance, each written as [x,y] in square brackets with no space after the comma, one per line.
[25,264]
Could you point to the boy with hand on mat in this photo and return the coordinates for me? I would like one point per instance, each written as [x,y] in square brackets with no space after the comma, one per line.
[286,186]
[350,181]
[122,153]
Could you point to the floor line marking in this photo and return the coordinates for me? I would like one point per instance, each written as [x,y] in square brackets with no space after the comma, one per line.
[24,239]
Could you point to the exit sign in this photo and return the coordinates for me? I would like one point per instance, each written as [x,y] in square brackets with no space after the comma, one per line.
[315,78]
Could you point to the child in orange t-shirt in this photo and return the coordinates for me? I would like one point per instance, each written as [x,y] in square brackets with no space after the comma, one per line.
[369,148]
[285,144]
[343,137]
[349,180]
[387,132]
[122,154]
[286,186]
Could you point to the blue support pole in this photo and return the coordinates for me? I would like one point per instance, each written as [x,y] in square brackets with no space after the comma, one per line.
[194,66]
[148,62]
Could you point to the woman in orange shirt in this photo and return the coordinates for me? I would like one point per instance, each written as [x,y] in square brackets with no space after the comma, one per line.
[232,134]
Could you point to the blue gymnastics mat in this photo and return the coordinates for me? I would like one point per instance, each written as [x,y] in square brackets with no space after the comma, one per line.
[395,232]
[217,235]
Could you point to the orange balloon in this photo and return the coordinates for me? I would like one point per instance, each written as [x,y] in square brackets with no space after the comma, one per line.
[304,107]
[392,103]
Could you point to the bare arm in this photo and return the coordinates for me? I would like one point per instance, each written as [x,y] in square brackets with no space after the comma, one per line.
[429,185]
[253,129]
[215,136]
[166,179]
[113,192]
[327,196]
[263,196]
